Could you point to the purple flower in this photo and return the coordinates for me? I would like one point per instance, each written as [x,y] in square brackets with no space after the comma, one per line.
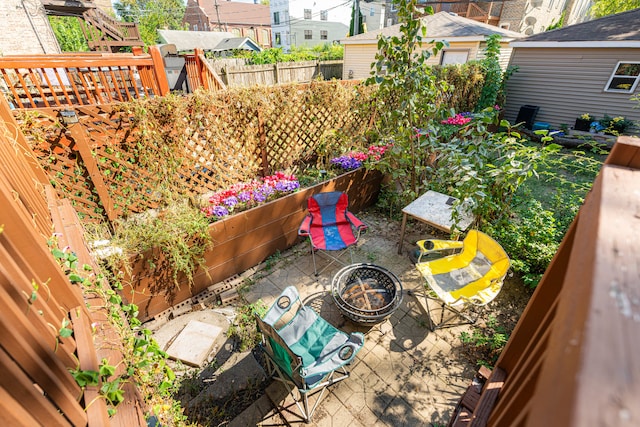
[244,197]
[220,211]
[284,186]
[346,162]
[230,201]
[259,197]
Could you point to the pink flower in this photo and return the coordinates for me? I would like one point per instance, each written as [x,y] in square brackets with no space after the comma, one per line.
[457,120]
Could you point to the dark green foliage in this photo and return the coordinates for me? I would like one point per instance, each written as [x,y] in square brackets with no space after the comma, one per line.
[69,34]
[485,343]
[493,76]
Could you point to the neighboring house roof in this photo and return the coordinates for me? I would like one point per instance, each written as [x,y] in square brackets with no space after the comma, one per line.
[236,13]
[189,40]
[621,26]
[237,43]
[619,30]
[442,25]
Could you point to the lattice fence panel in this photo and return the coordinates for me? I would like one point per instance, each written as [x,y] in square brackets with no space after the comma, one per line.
[132,155]
[59,157]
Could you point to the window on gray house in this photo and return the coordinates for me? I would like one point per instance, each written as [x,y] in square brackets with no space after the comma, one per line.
[624,78]
[308,35]
[324,34]
[372,12]
[307,14]
[278,39]
[324,15]
[276,18]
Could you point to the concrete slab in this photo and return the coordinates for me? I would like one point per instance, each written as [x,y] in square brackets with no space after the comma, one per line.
[195,342]
[166,332]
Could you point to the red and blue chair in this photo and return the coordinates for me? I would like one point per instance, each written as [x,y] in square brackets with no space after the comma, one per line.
[330,227]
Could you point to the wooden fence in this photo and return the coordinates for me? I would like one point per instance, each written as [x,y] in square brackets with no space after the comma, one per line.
[283,72]
[572,360]
[97,162]
[38,300]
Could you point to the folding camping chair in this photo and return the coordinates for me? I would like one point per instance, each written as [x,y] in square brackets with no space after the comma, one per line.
[330,226]
[304,351]
[472,277]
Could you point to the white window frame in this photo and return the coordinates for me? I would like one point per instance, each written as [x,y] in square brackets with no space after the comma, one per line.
[307,14]
[466,52]
[324,15]
[324,35]
[308,33]
[614,75]
[276,18]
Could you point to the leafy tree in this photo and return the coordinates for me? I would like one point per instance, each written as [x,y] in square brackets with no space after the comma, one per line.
[69,34]
[151,15]
[407,94]
[602,8]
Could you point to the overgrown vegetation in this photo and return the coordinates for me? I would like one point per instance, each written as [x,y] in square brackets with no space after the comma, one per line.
[324,52]
[143,362]
[243,329]
[457,153]
[169,243]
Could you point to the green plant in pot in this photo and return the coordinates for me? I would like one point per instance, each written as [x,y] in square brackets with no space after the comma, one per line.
[615,125]
[583,123]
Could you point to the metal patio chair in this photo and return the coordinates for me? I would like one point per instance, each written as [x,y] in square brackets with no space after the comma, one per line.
[330,227]
[471,277]
[305,352]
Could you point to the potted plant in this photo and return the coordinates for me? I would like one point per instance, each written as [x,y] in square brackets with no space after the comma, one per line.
[583,123]
[615,125]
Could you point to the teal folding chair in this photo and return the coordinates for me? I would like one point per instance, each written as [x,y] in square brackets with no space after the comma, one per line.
[304,351]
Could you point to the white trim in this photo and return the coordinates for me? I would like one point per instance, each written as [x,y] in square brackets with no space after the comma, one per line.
[592,44]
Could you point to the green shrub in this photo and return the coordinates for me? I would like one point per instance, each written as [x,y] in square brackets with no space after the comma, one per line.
[485,343]
[531,238]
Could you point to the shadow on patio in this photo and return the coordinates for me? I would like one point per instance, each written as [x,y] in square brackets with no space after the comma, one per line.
[405,374]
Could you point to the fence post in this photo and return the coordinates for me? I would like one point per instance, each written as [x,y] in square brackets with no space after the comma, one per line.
[78,134]
[263,144]
[276,73]
[159,71]
[200,66]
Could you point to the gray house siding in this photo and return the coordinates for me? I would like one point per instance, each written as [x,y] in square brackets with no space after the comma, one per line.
[568,82]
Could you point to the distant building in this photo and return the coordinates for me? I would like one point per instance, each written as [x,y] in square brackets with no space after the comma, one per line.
[466,40]
[240,19]
[309,22]
[524,16]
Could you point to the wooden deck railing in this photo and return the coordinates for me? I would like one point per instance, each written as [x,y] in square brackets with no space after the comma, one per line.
[41,81]
[572,360]
[200,73]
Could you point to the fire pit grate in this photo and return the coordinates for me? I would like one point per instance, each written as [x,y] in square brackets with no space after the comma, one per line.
[366,293]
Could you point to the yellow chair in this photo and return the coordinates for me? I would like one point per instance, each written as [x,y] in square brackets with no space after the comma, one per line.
[474,276]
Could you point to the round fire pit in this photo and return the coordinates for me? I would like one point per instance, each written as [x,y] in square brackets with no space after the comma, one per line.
[366,293]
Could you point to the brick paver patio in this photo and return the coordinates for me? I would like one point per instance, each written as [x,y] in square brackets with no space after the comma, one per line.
[405,375]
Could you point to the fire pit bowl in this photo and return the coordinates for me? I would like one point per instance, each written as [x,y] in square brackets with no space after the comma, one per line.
[366,293]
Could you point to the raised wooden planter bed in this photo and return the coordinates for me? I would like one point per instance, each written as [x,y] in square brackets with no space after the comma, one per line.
[248,238]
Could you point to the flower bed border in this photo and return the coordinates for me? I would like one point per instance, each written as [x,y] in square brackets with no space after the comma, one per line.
[246,239]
